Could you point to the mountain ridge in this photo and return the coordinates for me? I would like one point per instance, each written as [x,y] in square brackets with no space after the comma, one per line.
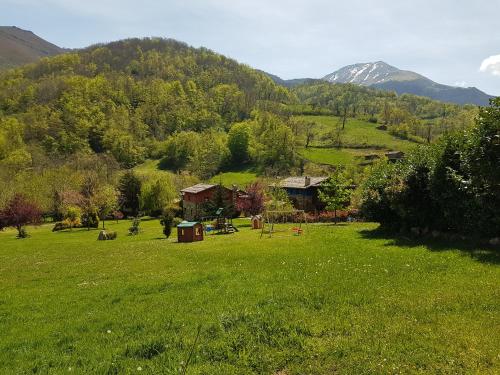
[19,47]
[383,76]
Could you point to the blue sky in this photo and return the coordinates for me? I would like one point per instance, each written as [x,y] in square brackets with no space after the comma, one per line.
[455,42]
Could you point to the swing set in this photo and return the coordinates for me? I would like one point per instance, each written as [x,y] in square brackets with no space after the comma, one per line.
[274,218]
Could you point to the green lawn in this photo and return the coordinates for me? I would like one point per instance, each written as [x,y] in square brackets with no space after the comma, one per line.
[340,299]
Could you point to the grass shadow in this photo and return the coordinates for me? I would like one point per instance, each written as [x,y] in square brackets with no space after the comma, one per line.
[340,224]
[481,253]
[243,225]
[240,167]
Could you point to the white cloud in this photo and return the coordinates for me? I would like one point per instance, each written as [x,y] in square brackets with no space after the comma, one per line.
[491,65]
[460,84]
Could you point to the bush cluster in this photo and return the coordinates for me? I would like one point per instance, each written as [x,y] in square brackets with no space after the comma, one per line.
[451,186]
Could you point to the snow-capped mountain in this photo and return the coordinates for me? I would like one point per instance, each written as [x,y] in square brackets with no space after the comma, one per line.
[383,76]
[368,74]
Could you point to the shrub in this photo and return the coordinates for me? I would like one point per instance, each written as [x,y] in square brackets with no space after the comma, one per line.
[60,226]
[451,186]
[22,233]
[111,235]
[107,235]
[72,217]
[134,229]
[90,219]
[167,221]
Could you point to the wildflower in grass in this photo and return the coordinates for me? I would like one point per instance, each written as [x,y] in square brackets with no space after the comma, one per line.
[139,368]
[109,331]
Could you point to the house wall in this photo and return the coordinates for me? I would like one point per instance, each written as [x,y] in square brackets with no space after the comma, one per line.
[192,204]
[185,234]
[305,199]
[190,234]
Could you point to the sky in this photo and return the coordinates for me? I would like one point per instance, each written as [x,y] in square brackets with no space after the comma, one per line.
[454,42]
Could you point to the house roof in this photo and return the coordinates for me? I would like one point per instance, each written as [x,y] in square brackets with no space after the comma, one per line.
[187,224]
[195,189]
[394,154]
[300,182]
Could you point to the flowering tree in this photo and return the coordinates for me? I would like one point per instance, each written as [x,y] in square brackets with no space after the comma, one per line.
[18,213]
[253,203]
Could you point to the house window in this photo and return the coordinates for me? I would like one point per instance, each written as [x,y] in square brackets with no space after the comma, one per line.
[197,231]
[182,232]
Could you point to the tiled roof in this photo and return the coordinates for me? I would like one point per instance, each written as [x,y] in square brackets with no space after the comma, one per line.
[197,188]
[300,182]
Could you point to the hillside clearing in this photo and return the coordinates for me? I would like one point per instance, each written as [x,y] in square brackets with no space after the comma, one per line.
[341,298]
[358,133]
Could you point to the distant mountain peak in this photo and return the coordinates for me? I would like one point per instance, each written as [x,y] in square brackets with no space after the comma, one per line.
[383,76]
[370,73]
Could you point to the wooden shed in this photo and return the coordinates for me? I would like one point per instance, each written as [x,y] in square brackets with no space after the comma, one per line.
[189,231]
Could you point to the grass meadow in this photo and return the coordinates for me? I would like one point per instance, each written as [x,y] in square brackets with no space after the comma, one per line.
[241,178]
[358,139]
[340,299]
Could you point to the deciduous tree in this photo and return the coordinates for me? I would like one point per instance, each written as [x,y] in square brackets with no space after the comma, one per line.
[335,192]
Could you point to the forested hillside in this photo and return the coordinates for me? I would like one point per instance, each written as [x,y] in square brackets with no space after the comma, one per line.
[123,97]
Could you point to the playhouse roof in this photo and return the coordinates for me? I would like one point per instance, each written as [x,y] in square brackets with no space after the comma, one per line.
[300,182]
[187,224]
[198,188]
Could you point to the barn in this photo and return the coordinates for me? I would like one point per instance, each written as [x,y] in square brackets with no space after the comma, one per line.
[189,231]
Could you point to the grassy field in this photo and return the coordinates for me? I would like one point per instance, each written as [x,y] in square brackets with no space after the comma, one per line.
[151,167]
[360,133]
[359,138]
[335,156]
[241,178]
[340,299]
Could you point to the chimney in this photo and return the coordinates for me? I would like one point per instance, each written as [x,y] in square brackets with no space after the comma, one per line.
[307,181]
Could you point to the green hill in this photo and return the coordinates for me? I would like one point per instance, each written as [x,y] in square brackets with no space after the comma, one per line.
[122,97]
